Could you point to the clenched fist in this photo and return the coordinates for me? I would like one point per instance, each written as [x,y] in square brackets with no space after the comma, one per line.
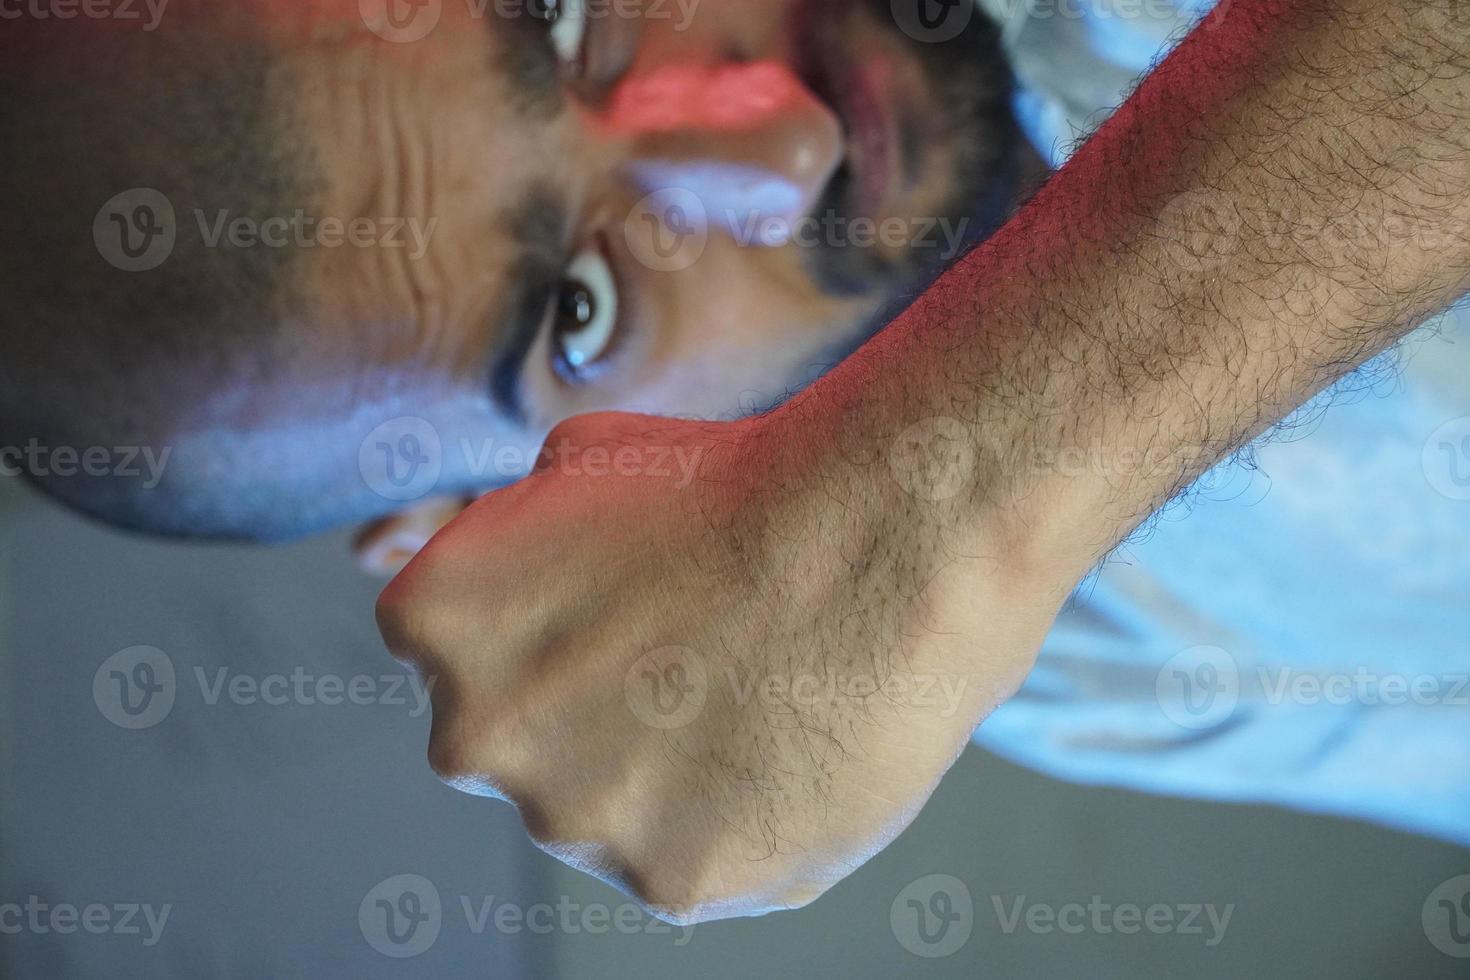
[721,683]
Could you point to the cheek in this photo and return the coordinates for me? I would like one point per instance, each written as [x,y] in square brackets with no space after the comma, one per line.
[742,298]
[739,296]
[737,347]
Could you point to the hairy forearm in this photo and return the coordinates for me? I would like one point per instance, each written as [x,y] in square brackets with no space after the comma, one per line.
[1284,197]
[800,608]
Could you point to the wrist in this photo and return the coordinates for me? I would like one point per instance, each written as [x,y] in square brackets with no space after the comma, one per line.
[910,502]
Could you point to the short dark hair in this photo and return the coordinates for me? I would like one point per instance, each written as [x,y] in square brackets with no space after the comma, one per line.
[89,352]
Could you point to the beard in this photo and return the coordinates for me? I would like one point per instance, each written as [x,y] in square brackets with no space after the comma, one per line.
[969,86]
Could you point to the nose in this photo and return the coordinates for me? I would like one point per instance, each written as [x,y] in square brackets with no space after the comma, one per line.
[749,140]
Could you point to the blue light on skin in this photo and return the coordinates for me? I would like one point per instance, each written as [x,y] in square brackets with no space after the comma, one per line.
[751,204]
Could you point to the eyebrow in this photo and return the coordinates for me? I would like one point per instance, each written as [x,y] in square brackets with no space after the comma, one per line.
[528,61]
[538,228]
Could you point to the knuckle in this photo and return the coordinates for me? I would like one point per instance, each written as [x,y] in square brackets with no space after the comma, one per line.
[461,768]
[399,622]
[409,616]
[474,748]
[425,616]
[598,428]
[558,830]
[580,813]
[452,760]
[802,896]
[581,842]
[683,893]
[676,900]
[456,750]
[577,430]
[689,895]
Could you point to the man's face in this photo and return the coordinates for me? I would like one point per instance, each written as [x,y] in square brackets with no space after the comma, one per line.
[682,207]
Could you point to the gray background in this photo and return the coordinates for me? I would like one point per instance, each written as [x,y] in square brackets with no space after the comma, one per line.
[265,827]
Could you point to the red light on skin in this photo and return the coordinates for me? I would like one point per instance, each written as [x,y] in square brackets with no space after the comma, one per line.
[750,140]
[685,96]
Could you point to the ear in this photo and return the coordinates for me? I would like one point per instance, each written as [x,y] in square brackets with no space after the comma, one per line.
[383,547]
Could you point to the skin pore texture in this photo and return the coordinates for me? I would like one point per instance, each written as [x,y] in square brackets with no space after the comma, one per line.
[1178,287]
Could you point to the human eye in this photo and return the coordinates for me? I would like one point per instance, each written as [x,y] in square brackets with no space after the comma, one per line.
[585,315]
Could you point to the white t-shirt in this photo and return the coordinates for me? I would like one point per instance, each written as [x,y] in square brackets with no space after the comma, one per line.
[1297,633]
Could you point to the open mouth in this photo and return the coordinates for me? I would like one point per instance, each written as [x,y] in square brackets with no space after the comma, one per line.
[859,86]
[929,136]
